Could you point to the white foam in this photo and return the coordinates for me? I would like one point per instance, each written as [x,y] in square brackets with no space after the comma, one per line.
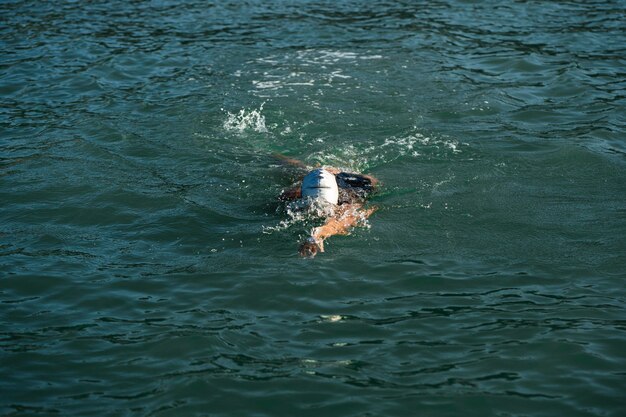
[246,120]
[299,212]
[407,144]
[362,156]
[307,212]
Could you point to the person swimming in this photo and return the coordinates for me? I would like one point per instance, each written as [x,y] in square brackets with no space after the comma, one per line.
[343,193]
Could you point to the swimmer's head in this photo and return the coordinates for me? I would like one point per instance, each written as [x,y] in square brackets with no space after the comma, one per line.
[320,184]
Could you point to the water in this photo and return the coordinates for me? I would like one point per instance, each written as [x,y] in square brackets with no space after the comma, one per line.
[147,268]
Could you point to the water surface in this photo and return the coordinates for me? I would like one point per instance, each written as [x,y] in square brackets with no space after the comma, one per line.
[147,268]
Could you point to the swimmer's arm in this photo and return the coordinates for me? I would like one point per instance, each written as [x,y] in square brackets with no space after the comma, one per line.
[341,224]
[337,171]
[290,161]
[374,180]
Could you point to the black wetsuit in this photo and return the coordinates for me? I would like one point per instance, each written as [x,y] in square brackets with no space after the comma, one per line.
[353,187]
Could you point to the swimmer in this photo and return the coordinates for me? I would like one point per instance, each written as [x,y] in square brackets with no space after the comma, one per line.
[344,193]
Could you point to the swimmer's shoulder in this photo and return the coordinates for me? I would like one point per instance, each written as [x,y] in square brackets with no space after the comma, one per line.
[348,180]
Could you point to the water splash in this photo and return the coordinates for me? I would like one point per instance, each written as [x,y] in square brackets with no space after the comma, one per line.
[302,212]
[246,120]
[361,157]
[308,213]
[416,142]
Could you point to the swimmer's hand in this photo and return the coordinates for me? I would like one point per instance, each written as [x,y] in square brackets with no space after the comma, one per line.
[311,247]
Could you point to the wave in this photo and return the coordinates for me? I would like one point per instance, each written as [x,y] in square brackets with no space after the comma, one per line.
[309,68]
[361,157]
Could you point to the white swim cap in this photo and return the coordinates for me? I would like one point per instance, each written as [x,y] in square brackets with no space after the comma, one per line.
[320,184]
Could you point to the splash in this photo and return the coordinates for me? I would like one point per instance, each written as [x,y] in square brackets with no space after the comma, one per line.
[246,120]
[308,213]
[410,145]
[363,156]
[302,212]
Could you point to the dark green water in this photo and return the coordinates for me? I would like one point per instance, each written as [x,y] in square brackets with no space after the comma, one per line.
[147,269]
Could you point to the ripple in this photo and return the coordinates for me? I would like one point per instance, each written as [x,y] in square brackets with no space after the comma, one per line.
[137,180]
